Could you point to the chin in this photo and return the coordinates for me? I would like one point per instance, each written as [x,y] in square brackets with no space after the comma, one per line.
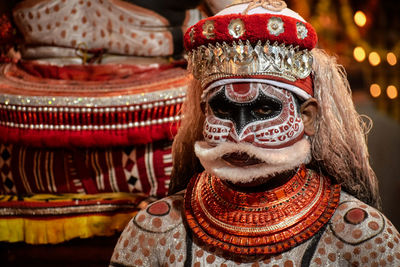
[271,161]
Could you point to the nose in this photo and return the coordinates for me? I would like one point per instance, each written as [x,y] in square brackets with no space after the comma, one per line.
[241,118]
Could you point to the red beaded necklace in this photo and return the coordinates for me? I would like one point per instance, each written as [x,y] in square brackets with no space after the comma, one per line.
[262,222]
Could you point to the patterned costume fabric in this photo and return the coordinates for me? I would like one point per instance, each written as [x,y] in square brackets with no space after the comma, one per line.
[120,27]
[89,107]
[29,170]
[356,235]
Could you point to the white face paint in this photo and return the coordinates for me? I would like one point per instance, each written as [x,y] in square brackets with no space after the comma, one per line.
[281,128]
[251,131]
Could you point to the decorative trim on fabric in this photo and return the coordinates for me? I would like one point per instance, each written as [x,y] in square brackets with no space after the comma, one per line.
[51,219]
[45,112]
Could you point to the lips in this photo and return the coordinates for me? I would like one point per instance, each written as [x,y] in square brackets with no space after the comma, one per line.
[240,159]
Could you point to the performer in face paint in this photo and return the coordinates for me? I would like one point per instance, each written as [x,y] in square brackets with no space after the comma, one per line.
[270,162]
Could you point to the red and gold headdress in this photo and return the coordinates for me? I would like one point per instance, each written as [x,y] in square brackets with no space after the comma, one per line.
[253,40]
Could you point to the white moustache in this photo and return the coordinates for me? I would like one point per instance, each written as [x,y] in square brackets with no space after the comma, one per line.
[274,161]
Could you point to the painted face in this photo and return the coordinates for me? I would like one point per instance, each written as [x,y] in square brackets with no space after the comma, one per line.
[255,113]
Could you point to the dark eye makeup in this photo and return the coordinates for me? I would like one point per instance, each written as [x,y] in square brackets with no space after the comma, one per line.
[263,107]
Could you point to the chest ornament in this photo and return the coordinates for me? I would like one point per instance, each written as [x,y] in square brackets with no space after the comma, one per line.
[259,223]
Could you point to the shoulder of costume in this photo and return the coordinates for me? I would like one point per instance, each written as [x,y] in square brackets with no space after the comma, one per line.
[354,222]
[161,216]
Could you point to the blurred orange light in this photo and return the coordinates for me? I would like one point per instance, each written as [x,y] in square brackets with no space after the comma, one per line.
[391,58]
[391,91]
[359,53]
[375,90]
[374,59]
[360,19]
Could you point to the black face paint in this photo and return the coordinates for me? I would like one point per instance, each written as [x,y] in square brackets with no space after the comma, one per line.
[241,114]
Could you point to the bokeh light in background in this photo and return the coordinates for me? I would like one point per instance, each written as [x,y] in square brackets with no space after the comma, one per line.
[359,54]
[391,59]
[375,90]
[348,34]
[374,58]
[391,92]
[360,19]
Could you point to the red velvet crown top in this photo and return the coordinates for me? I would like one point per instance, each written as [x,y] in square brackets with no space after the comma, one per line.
[264,27]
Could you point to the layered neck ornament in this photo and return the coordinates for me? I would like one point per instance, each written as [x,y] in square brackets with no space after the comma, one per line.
[260,223]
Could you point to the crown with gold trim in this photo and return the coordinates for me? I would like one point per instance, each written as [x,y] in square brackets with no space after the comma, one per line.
[253,39]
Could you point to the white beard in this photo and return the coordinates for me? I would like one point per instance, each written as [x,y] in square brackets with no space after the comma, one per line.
[274,161]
